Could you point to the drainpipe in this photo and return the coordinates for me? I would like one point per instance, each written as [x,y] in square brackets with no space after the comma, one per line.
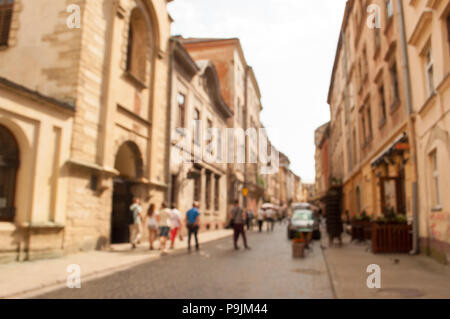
[169,124]
[411,127]
[245,130]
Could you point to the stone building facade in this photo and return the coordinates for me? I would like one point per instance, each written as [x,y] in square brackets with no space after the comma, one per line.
[98,96]
[241,93]
[197,174]
[389,115]
[322,158]
[369,118]
[87,117]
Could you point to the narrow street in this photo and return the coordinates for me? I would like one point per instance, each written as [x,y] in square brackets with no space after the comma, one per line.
[217,271]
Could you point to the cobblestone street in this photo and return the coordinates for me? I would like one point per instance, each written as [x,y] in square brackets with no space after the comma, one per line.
[217,271]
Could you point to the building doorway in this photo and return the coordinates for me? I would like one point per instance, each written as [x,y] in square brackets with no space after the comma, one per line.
[121,218]
[129,165]
[9,164]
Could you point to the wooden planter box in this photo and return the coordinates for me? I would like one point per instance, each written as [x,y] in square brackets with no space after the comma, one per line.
[391,238]
[361,230]
[298,250]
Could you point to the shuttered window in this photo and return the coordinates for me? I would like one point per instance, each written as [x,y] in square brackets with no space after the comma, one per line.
[6,11]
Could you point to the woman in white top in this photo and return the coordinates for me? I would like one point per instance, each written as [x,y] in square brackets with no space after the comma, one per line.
[175,220]
[164,223]
[152,225]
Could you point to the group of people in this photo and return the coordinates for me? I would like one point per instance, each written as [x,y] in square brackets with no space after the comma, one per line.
[166,222]
[267,215]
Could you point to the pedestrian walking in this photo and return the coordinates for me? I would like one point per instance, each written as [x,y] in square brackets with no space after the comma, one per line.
[270,219]
[250,217]
[152,225]
[135,227]
[175,219]
[238,218]
[164,224]
[192,224]
[261,216]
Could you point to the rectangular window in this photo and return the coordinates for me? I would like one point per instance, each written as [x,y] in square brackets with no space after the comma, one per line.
[174,192]
[216,192]
[429,71]
[365,65]
[369,122]
[354,148]
[197,133]
[382,104]
[181,110]
[389,8]
[394,82]
[220,149]
[208,190]
[363,126]
[198,186]
[6,12]
[435,180]
[238,111]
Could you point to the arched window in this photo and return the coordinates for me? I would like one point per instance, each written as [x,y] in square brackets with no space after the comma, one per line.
[6,11]
[9,163]
[137,45]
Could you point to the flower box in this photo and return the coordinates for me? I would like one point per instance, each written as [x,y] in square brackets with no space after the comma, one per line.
[298,249]
[361,230]
[391,238]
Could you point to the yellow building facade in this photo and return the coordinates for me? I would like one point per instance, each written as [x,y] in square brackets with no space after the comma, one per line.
[428,35]
[389,115]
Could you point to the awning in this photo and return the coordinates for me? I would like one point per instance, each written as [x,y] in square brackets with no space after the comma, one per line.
[392,148]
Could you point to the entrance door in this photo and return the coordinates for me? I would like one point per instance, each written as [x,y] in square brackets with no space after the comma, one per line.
[9,164]
[392,195]
[121,216]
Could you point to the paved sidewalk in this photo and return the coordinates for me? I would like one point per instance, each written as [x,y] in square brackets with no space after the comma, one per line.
[402,275]
[22,280]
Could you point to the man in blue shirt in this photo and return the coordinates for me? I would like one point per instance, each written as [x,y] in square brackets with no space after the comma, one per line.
[192,224]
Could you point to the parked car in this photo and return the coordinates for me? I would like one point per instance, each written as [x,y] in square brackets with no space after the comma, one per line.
[304,218]
[301,221]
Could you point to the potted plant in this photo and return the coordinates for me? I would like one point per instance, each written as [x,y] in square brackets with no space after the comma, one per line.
[298,245]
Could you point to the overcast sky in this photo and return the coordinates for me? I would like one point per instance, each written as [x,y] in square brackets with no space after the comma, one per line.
[291,46]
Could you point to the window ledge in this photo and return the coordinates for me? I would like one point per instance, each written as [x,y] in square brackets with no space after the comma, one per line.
[428,102]
[45,225]
[436,209]
[7,226]
[394,106]
[134,80]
